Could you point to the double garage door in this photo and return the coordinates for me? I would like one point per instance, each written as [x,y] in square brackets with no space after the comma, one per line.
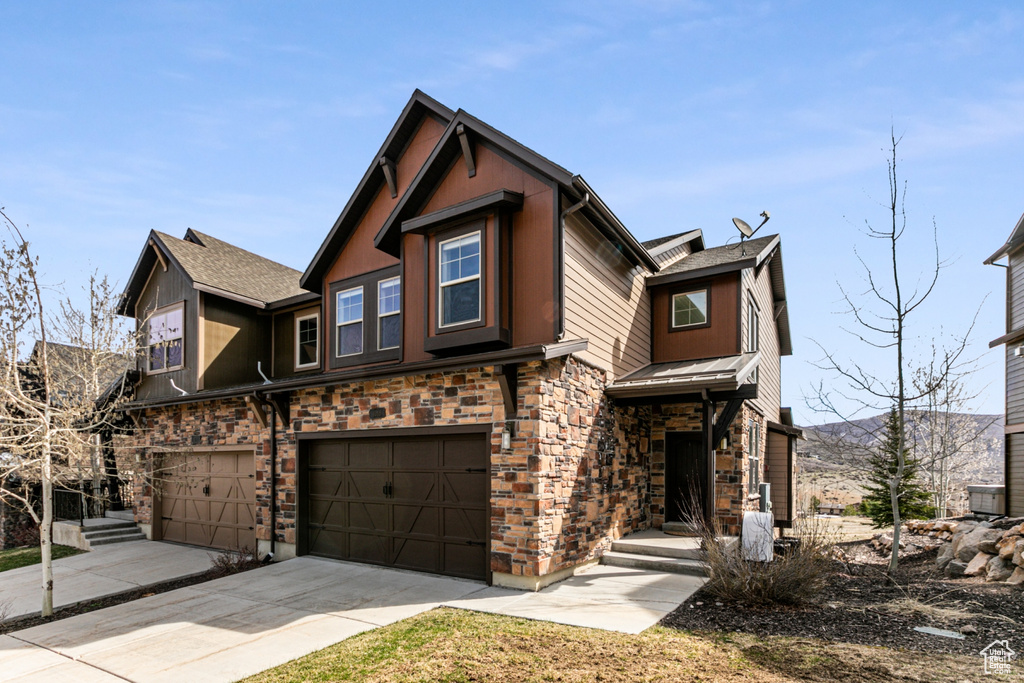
[209,499]
[419,503]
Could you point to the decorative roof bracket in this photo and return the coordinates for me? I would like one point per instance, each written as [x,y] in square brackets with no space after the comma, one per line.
[388,166]
[467,149]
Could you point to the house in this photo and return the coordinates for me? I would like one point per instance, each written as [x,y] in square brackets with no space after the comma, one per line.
[1013,340]
[481,373]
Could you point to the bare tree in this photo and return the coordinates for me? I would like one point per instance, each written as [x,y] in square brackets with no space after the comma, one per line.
[881,313]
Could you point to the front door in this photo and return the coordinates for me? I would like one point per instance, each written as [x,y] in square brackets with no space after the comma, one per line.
[685,476]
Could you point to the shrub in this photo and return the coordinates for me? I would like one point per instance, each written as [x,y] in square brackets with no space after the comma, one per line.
[235,561]
[852,510]
[798,570]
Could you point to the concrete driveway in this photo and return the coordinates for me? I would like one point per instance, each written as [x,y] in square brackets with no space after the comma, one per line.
[225,629]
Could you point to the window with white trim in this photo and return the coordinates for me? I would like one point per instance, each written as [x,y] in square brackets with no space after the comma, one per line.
[165,339]
[753,332]
[690,308]
[307,341]
[459,299]
[389,309]
[349,333]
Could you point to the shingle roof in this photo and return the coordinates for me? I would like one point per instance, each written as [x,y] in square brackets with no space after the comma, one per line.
[651,244]
[215,263]
[720,256]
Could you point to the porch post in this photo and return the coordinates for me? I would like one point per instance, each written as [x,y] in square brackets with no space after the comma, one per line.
[707,417]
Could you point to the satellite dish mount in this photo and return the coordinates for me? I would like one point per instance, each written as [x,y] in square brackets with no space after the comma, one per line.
[746,232]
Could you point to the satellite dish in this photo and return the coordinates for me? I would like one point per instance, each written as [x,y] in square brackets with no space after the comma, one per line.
[743,227]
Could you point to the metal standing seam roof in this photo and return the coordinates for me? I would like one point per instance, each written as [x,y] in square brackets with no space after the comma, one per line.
[727,373]
[217,264]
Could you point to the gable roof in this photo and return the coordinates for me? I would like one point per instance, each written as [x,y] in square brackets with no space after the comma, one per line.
[688,236]
[217,267]
[449,148]
[1015,241]
[402,132]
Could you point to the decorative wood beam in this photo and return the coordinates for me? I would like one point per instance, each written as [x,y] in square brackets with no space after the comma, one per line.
[388,166]
[282,406]
[780,306]
[159,254]
[256,406]
[729,412]
[508,379]
[467,149]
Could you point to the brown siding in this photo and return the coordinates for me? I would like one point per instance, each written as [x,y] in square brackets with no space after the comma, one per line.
[235,339]
[720,338]
[769,392]
[284,342]
[605,301]
[1015,475]
[778,472]
[163,289]
[532,236]
[413,298]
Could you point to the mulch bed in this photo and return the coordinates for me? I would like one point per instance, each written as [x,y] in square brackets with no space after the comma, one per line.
[21,623]
[857,606]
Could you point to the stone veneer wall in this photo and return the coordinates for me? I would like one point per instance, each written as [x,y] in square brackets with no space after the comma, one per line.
[574,479]
[732,472]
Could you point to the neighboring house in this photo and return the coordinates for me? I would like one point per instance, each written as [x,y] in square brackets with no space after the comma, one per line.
[1013,340]
[481,373]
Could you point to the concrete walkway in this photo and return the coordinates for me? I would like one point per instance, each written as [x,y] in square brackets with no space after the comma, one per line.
[107,570]
[233,627]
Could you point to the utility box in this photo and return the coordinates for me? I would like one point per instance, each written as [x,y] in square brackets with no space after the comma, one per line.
[764,489]
[987,499]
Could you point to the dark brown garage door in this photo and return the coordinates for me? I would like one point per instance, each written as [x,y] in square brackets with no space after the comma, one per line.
[209,499]
[418,503]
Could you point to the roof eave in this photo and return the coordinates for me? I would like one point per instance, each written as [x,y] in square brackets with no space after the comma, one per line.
[639,254]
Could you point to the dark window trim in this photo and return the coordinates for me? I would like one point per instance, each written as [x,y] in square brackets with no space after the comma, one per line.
[492,203]
[305,315]
[478,224]
[160,311]
[370,354]
[687,289]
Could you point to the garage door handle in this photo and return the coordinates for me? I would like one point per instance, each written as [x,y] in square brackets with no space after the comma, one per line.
[480,543]
[476,469]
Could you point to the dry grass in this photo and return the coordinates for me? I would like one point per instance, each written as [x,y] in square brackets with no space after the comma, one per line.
[454,645]
[232,562]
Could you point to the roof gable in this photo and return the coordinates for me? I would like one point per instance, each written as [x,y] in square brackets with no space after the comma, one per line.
[418,106]
[1014,242]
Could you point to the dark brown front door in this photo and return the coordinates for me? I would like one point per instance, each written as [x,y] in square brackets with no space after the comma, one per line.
[418,503]
[209,499]
[685,476]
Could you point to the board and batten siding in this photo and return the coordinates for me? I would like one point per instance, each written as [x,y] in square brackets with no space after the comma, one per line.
[1015,475]
[605,301]
[163,288]
[778,472]
[234,341]
[769,393]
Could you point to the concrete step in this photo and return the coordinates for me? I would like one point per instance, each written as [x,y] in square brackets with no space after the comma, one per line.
[673,565]
[125,515]
[123,538]
[93,529]
[107,533]
[680,529]
[679,548]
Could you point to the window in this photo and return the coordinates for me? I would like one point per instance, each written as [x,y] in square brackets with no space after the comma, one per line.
[690,308]
[754,445]
[389,306]
[307,341]
[459,281]
[753,333]
[350,322]
[166,339]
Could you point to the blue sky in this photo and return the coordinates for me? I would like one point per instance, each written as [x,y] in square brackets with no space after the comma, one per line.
[254,121]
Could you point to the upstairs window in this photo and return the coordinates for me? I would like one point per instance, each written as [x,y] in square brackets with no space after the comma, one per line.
[389,307]
[753,333]
[459,281]
[166,339]
[307,341]
[350,322]
[690,308]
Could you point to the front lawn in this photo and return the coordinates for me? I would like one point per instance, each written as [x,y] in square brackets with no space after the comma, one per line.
[23,557]
[455,645]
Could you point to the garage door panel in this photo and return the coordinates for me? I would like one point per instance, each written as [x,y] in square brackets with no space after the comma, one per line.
[208,499]
[328,454]
[367,516]
[462,452]
[416,454]
[463,559]
[367,485]
[369,548]
[465,524]
[368,454]
[415,486]
[329,542]
[467,488]
[416,519]
[421,555]
[327,483]
[328,511]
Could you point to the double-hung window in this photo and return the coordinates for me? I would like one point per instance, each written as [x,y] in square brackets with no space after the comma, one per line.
[754,446]
[753,332]
[307,341]
[389,307]
[690,308]
[166,339]
[350,322]
[459,282]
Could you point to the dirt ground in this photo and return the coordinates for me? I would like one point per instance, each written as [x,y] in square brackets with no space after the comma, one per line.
[863,605]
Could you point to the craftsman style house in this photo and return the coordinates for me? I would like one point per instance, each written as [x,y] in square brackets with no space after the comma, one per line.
[1013,252]
[481,373]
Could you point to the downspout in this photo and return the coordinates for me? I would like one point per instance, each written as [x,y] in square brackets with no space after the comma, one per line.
[273,480]
[561,262]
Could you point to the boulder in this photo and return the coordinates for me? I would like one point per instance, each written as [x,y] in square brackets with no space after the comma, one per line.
[944,557]
[1017,578]
[979,565]
[1018,553]
[1005,545]
[998,569]
[981,539]
[955,569]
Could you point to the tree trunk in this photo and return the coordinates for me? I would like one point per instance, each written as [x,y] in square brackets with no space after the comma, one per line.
[46,531]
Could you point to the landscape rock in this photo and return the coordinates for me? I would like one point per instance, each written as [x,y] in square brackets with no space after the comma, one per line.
[1006,545]
[998,569]
[978,565]
[1017,578]
[944,557]
[955,569]
[981,539]
[1018,553]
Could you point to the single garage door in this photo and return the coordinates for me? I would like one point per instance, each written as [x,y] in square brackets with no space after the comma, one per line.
[418,503]
[209,499]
